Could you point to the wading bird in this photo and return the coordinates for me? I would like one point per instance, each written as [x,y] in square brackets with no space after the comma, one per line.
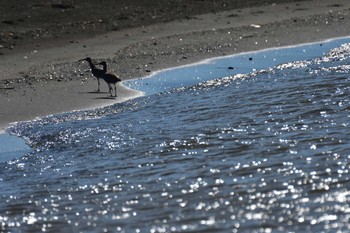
[109,78]
[98,73]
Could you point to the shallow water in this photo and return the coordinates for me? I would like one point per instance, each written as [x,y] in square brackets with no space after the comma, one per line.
[12,147]
[259,152]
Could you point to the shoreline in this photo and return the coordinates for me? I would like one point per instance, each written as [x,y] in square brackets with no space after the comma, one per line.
[12,146]
[49,81]
[169,79]
[137,93]
[204,61]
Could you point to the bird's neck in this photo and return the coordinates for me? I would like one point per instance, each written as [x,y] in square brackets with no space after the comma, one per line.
[92,66]
[104,68]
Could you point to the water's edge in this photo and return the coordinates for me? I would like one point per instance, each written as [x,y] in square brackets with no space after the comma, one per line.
[12,146]
[231,65]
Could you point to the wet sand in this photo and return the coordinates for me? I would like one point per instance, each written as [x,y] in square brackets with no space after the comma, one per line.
[39,75]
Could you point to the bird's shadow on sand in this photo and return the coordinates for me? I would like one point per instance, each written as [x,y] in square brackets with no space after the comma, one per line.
[101,97]
[105,98]
[94,92]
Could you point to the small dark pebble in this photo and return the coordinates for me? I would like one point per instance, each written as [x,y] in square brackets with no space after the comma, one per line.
[62,6]
[148,71]
[233,15]
[335,5]
[250,59]
[8,22]
[231,68]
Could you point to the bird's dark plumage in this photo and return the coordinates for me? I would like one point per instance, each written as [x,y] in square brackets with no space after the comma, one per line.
[109,78]
[98,73]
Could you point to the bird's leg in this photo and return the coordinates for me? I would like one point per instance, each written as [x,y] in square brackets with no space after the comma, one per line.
[115,90]
[98,85]
[110,89]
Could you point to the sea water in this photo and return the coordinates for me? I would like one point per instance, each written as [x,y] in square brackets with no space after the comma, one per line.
[11,147]
[256,142]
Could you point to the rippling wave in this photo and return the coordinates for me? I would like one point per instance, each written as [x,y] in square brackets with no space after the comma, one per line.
[257,152]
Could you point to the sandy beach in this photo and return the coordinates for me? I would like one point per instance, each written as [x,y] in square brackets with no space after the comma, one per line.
[40,43]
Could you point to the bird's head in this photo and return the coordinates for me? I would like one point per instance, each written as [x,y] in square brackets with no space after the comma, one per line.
[85,59]
[103,63]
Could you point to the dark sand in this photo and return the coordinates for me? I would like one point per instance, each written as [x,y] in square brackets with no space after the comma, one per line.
[40,42]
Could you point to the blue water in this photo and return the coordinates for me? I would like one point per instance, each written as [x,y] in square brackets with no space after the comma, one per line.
[244,63]
[12,147]
[263,147]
